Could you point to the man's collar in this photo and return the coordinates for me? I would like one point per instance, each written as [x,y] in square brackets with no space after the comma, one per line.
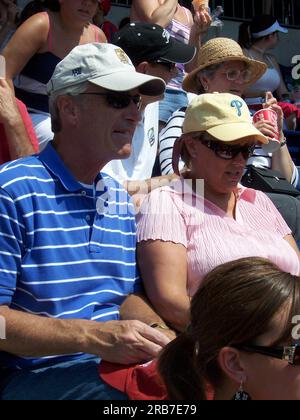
[56,166]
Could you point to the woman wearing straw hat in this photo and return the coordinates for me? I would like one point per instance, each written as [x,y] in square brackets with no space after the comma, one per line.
[184,233]
[223,67]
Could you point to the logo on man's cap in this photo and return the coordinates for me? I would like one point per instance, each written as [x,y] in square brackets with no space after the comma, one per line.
[77,72]
[122,56]
[166,35]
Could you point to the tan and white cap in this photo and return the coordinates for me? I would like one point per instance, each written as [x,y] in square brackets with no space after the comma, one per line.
[104,65]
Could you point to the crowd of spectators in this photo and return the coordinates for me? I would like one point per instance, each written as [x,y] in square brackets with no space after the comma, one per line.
[127,235]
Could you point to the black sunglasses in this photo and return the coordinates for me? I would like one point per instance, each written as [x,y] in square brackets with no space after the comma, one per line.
[118,100]
[170,66]
[228,151]
[290,354]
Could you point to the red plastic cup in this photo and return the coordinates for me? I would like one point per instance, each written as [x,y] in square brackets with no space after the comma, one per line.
[269,114]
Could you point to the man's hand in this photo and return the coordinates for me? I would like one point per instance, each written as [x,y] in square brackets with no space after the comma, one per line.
[127,342]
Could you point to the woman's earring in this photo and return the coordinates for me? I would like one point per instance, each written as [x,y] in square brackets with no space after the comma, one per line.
[241,395]
[205,87]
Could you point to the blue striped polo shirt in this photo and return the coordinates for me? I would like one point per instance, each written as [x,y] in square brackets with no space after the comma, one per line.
[66,251]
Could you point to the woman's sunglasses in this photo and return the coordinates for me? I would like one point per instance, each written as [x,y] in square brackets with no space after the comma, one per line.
[290,354]
[227,151]
[118,100]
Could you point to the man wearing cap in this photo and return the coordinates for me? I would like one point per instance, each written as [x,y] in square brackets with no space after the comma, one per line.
[154,52]
[67,257]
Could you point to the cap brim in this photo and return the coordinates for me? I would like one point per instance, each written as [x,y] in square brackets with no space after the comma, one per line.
[283,30]
[257,69]
[237,131]
[179,52]
[124,81]
[114,374]
[139,382]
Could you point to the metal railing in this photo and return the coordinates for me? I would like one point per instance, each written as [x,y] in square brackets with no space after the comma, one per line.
[286,11]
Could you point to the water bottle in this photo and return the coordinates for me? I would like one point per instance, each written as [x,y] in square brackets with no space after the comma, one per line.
[215,17]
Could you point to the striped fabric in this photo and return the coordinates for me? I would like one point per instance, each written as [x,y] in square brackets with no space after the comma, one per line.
[67,251]
[30,84]
[173,130]
[182,33]
[210,236]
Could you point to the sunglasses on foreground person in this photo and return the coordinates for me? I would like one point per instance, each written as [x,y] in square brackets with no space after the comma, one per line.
[242,341]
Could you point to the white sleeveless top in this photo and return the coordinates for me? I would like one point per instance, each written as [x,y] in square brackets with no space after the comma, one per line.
[270,80]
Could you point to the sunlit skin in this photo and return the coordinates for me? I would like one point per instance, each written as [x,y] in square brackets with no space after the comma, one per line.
[219,82]
[99,132]
[162,71]
[115,126]
[83,10]
[221,176]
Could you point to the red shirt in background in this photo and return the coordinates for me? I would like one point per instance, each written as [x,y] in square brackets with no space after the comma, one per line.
[4,149]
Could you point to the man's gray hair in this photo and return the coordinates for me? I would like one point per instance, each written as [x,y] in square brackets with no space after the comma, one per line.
[53,108]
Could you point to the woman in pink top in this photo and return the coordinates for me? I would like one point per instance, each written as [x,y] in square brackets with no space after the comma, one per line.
[183,234]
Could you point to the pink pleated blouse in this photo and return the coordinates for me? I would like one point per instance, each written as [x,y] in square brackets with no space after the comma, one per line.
[210,236]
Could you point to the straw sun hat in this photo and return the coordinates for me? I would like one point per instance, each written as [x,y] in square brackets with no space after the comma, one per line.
[220,50]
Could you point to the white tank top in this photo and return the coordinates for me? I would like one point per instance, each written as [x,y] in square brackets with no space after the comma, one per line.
[269,82]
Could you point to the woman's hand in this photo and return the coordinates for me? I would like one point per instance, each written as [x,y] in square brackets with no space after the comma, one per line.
[202,22]
[266,128]
[271,102]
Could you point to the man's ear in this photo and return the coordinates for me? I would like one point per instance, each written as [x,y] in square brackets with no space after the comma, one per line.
[143,67]
[67,108]
[231,364]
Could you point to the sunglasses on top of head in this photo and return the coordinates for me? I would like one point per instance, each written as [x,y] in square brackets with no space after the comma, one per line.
[290,354]
[169,66]
[118,100]
[227,151]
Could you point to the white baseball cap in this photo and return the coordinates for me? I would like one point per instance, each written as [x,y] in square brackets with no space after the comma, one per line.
[104,65]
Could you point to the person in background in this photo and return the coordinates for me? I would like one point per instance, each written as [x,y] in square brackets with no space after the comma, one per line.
[180,23]
[125,21]
[68,238]
[99,20]
[38,45]
[9,17]
[223,67]
[17,136]
[183,232]
[257,38]
[153,52]
[242,341]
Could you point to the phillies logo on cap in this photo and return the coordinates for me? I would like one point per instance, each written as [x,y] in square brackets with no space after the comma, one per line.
[238,105]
